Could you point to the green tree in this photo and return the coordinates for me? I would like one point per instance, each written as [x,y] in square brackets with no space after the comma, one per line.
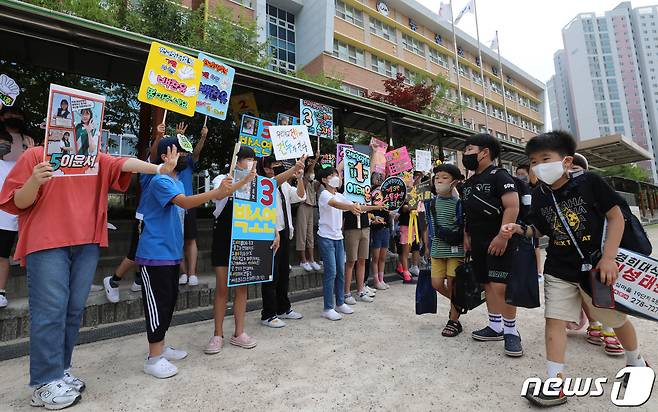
[629,171]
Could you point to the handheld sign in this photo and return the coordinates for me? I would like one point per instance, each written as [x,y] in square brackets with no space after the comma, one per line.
[378,156]
[319,118]
[418,194]
[171,80]
[215,87]
[255,133]
[254,226]
[357,177]
[9,91]
[327,160]
[398,161]
[423,160]
[636,289]
[340,151]
[283,119]
[393,193]
[74,128]
[244,104]
[290,142]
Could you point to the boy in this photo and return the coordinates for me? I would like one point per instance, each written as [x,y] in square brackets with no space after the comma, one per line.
[445,253]
[551,156]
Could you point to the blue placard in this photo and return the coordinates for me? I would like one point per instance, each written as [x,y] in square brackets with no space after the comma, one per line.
[215,87]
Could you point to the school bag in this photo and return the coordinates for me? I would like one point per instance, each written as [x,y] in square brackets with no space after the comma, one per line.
[425,293]
[468,293]
[492,205]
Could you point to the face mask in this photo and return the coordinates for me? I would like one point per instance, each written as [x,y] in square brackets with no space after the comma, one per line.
[525,179]
[14,123]
[443,188]
[279,169]
[250,164]
[5,148]
[470,161]
[549,173]
[311,176]
[334,182]
[181,165]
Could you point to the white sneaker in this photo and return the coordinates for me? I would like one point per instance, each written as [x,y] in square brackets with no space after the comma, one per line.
[349,299]
[414,270]
[160,369]
[172,354]
[364,297]
[371,292]
[291,314]
[316,266]
[345,309]
[273,322]
[380,286]
[95,288]
[386,285]
[3,301]
[182,280]
[307,267]
[135,287]
[331,315]
[193,280]
[74,382]
[541,277]
[55,395]
[112,294]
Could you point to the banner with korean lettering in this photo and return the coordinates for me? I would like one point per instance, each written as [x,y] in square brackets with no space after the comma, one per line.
[636,289]
[215,87]
[319,118]
[171,80]
[290,142]
[252,234]
[423,160]
[398,161]
[340,151]
[418,194]
[327,161]
[357,176]
[255,133]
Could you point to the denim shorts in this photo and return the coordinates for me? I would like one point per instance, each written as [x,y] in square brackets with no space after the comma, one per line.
[380,238]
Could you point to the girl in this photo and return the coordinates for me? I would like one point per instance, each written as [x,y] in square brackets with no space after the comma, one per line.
[380,234]
[86,134]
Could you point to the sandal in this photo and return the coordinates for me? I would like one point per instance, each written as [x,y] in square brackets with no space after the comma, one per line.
[452,329]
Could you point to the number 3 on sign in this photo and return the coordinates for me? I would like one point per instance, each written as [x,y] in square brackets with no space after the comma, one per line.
[307,117]
[268,191]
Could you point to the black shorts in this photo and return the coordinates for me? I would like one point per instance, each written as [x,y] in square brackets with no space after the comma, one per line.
[489,268]
[138,226]
[189,225]
[7,240]
[221,237]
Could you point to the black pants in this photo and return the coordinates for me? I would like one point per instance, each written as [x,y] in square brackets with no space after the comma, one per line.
[159,294]
[275,293]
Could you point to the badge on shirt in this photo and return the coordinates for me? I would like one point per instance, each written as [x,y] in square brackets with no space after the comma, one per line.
[454,249]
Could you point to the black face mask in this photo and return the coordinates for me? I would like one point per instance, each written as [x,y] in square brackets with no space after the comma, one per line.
[279,169]
[470,161]
[181,165]
[14,123]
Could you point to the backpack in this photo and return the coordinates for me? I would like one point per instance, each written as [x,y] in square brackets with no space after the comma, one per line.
[494,206]
[453,237]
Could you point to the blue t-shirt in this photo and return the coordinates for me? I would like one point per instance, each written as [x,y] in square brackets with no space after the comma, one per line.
[185,175]
[161,240]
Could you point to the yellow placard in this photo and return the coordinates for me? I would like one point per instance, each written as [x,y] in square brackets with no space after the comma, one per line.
[171,80]
[244,104]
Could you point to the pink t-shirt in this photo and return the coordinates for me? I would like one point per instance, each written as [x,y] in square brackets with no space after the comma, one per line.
[68,211]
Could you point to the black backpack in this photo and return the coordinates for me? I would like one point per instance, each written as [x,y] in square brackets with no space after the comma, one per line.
[453,237]
[491,202]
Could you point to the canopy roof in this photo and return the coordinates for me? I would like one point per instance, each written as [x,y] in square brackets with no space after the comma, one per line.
[612,150]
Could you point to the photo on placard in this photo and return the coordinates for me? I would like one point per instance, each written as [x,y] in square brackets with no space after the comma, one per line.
[87,117]
[62,115]
[249,126]
[61,141]
[284,120]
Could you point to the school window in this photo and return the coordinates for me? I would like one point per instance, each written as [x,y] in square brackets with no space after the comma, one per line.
[413,45]
[409,76]
[357,91]
[349,53]
[533,106]
[381,29]
[349,13]
[438,58]
[281,36]
[246,3]
[383,66]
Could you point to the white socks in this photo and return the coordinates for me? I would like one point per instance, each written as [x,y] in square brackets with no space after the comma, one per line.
[496,322]
[633,358]
[509,327]
[553,368]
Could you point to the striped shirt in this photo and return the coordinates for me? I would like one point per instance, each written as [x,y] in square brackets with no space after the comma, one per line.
[445,208]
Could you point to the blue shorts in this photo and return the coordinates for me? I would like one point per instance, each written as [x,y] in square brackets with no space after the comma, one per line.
[380,238]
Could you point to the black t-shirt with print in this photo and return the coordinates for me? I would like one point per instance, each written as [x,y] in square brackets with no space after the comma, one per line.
[350,221]
[481,199]
[584,201]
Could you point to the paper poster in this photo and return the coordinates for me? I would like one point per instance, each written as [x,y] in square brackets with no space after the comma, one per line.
[255,133]
[283,119]
[418,193]
[319,118]
[398,161]
[637,285]
[357,176]
[327,160]
[252,234]
[290,142]
[340,151]
[244,104]
[392,193]
[423,160]
[407,177]
[9,91]
[215,87]
[74,127]
[171,80]
[378,156]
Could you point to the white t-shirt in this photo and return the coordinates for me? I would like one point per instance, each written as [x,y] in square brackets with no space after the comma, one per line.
[219,204]
[331,219]
[290,194]
[7,221]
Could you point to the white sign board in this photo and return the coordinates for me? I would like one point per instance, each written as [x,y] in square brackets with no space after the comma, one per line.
[423,161]
[290,142]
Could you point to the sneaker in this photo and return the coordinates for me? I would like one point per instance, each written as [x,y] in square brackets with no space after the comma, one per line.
[386,285]
[214,345]
[349,299]
[407,279]
[487,334]
[415,271]
[172,354]
[399,268]
[95,288]
[273,322]
[546,400]
[513,346]
[161,369]
[3,301]
[594,335]
[371,292]
[111,291]
[331,314]
[316,266]
[290,314]
[74,382]
[135,287]
[307,266]
[612,345]
[182,280]
[55,395]
[364,297]
[345,309]
[192,280]
[380,286]
[244,341]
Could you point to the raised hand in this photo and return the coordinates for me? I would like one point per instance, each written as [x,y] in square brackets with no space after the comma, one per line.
[161,129]
[170,160]
[204,132]
[181,128]
[299,165]
[225,188]
[42,172]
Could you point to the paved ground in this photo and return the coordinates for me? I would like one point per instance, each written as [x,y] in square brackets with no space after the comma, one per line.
[383,357]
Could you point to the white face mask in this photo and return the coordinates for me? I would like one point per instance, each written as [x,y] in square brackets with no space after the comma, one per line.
[443,188]
[250,164]
[334,182]
[311,177]
[549,173]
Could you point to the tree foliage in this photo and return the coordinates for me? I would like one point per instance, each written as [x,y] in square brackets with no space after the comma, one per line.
[629,171]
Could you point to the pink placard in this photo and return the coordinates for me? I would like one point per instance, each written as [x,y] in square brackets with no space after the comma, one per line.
[378,156]
[340,148]
[398,161]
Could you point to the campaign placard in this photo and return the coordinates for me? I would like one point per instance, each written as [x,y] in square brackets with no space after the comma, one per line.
[340,151]
[74,126]
[319,118]
[283,119]
[378,156]
[290,142]
[392,193]
[327,160]
[423,160]
[215,87]
[254,225]
[171,80]
[419,193]
[637,285]
[9,91]
[255,133]
[244,104]
[398,161]
[356,176]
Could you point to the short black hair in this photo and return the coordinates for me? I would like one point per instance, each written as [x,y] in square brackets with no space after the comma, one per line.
[485,141]
[523,167]
[452,170]
[556,141]
[323,173]
[580,160]
[246,152]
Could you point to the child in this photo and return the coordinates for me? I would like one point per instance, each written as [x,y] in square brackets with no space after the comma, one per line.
[330,241]
[159,252]
[446,253]
[404,244]
[8,222]
[305,238]
[380,234]
[551,156]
